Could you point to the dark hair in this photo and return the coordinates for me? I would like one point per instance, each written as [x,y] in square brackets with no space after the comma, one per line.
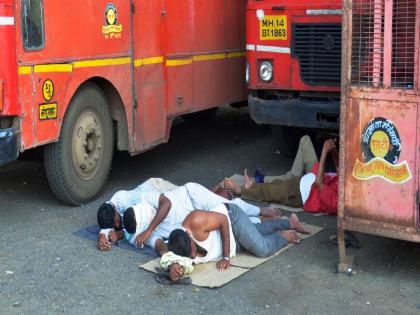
[129,221]
[179,243]
[105,216]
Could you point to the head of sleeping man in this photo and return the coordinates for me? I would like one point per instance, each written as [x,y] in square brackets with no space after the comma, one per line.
[138,218]
[108,217]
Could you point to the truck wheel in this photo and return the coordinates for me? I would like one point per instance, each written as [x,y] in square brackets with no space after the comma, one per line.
[78,165]
[286,139]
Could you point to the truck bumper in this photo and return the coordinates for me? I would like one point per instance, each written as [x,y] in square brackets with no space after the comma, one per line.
[8,145]
[295,112]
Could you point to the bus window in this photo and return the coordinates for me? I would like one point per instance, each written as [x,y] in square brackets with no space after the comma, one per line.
[33,24]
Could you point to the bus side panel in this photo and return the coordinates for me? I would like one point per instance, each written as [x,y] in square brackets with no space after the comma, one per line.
[26,100]
[67,64]
[236,37]
[179,56]
[150,115]
[209,75]
[50,106]
[8,75]
[81,36]
[237,91]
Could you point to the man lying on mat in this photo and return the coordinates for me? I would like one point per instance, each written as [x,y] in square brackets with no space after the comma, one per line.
[190,196]
[214,236]
[110,213]
[172,208]
[316,191]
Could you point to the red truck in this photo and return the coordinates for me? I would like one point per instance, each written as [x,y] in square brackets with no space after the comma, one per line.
[294,66]
[83,77]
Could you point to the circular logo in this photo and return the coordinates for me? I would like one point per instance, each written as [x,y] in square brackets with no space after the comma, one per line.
[111,15]
[380,139]
[48,90]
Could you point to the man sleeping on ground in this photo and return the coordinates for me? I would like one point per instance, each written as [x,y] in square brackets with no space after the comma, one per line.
[215,236]
[172,208]
[162,196]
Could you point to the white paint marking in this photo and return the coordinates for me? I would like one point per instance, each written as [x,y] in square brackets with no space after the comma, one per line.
[275,49]
[7,20]
[324,12]
[250,47]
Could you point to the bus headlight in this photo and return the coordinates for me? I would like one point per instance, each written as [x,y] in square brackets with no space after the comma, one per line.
[266,71]
[247,73]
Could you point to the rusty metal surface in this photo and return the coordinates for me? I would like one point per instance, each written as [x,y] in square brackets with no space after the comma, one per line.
[379,162]
[382,229]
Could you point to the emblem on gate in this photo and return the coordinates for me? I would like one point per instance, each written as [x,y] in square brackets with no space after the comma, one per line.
[381,148]
[111,29]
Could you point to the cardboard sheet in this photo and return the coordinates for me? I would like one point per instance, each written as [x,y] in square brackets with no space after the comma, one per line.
[206,275]
[246,260]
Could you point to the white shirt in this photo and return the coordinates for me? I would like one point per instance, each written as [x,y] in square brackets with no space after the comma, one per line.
[186,199]
[214,243]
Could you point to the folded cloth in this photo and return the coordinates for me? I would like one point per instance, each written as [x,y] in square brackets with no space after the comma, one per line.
[169,258]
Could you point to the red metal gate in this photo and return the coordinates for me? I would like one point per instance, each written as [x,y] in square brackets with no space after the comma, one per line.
[379,167]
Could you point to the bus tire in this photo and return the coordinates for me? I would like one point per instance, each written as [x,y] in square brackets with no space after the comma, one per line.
[77,166]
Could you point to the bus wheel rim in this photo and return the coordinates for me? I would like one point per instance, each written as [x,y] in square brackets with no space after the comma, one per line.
[87,145]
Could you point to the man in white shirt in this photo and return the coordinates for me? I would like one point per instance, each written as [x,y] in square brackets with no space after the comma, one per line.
[110,213]
[172,208]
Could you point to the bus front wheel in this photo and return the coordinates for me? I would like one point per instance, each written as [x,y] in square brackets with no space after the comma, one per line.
[77,166]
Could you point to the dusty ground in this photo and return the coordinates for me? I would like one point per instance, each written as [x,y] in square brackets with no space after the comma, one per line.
[45,269]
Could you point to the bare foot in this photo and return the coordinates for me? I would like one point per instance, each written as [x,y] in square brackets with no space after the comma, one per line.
[291,236]
[248,181]
[296,225]
[270,212]
[230,184]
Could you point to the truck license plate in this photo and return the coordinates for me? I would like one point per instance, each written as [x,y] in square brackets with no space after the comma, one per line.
[273,27]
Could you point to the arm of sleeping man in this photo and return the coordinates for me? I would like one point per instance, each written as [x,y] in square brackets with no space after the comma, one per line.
[203,222]
[161,214]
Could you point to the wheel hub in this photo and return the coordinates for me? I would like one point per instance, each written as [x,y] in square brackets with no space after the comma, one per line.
[87,144]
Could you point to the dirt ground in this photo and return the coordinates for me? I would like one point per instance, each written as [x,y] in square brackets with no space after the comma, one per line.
[45,269]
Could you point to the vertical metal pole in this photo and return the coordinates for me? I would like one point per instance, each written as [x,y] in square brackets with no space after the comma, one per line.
[417,48]
[377,42]
[388,42]
[345,86]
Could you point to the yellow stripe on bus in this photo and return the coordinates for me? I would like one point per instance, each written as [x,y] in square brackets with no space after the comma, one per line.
[102,62]
[236,54]
[53,68]
[217,56]
[68,67]
[148,61]
[178,62]
[152,60]
[25,70]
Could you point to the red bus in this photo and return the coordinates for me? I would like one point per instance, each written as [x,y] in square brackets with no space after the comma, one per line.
[83,77]
[294,66]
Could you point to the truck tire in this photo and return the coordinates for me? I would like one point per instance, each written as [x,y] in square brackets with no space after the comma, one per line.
[286,139]
[77,166]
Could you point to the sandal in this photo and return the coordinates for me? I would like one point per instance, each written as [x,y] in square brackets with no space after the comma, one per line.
[349,240]
[164,278]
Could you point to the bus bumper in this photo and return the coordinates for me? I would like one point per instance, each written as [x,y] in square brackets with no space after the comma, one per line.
[295,112]
[8,145]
